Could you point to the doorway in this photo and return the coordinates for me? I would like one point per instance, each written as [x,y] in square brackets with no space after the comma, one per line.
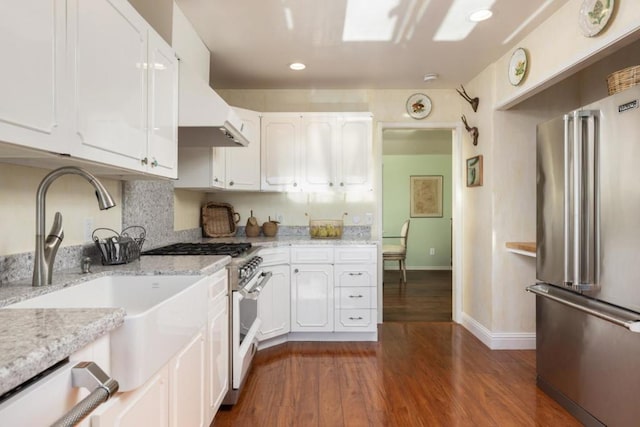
[435,242]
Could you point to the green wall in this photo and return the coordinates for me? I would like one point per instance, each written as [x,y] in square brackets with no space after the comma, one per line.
[424,233]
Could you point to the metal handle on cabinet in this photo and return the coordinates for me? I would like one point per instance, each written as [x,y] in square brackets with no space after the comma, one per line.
[295,184]
[215,179]
[231,183]
[355,318]
[355,296]
[331,184]
[154,163]
[355,274]
[296,270]
[342,184]
[88,375]
[144,161]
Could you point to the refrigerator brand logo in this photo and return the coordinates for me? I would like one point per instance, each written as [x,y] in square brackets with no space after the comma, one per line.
[628,106]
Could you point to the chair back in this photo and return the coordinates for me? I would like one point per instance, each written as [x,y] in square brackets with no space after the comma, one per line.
[404,234]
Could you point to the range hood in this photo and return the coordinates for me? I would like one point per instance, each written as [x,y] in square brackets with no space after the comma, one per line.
[204,118]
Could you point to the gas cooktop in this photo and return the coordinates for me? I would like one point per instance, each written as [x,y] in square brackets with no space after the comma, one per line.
[231,249]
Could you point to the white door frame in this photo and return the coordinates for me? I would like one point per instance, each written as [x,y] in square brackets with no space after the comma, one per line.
[457,175]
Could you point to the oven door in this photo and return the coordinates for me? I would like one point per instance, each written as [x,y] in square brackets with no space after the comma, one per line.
[245,326]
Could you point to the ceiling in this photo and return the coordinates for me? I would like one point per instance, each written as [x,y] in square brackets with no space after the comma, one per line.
[357,44]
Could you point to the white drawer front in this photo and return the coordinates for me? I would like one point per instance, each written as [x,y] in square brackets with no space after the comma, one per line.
[355,254]
[355,275]
[274,256]
[312,255]
[355,320]
[350,298]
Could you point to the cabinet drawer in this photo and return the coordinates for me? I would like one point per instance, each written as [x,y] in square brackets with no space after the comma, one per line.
[350,298]
[355,320]
[355,254]
[312,255]
[355,275]
[218,284]
[274,256]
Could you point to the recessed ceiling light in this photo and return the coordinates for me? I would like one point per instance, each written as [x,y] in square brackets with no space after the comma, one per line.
[297,66]
[480,15]
[430,77]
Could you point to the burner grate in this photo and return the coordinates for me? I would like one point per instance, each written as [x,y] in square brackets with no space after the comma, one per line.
[231,249]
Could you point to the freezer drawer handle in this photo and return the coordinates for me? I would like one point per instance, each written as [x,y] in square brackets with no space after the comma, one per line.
[632,325]
[88,375]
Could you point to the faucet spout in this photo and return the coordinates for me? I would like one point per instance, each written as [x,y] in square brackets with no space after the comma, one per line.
[45,251]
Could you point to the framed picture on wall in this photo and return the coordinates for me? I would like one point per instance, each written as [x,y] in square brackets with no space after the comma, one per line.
[426,196]
[474,171]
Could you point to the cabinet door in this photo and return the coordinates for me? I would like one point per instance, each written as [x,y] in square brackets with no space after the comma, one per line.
[186,384]
[354,153]
[274,304]
[311,297]
[144,406]
[108,49]
[218,167]
[162,152]
[32,46]
[319,138]
[280,153]
[243,163]
[217,356]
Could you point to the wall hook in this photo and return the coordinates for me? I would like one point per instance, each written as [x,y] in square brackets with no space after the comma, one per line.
[472,130]
[473,101]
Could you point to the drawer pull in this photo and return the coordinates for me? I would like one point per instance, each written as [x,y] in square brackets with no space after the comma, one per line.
[355,296]
[355,274]
[355,318]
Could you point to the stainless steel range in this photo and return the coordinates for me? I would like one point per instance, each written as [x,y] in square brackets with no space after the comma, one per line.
[246,280]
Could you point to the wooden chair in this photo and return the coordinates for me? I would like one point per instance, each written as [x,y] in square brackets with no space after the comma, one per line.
[398,252]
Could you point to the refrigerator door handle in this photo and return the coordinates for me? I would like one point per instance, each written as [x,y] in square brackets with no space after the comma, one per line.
[567,207]
[592,307]
[584,201]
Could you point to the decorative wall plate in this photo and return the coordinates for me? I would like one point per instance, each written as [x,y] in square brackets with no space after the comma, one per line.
[518,66]
[418,105]
[594,16]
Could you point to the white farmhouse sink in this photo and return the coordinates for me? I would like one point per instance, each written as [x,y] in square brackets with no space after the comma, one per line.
[163,314]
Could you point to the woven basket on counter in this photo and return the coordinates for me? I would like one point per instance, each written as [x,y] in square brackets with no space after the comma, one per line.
[623,79]
[219,220]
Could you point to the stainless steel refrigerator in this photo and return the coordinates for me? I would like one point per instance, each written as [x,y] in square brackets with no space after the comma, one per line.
[588,260]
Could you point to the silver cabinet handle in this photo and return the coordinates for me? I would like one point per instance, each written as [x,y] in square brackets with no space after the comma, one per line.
[154,163]
[144,161]
[296,270]
[355,318]
[355,274]
[295,184]
[356,296]
[88,375]
[342,184]
[231,182]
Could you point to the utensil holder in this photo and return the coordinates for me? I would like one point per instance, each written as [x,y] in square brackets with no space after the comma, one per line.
[120,248]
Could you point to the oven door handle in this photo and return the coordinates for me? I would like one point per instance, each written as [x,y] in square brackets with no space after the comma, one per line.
[257,288]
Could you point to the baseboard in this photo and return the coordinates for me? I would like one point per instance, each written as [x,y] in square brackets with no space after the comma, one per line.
[499,340]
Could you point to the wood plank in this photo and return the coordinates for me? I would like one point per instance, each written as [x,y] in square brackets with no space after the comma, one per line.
[522,246]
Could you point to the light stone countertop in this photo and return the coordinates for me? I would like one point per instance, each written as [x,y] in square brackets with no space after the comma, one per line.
[287,240]
[32,340]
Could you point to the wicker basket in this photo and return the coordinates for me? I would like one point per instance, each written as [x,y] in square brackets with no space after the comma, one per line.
[623,79]
[219,220]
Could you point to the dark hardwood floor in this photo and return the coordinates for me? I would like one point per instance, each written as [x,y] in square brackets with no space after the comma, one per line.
[419,373]
[426,297]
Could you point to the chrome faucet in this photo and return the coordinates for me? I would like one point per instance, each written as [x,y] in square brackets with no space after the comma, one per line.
[46,250]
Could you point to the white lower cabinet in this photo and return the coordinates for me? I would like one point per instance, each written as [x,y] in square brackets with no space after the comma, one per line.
[187,385]
[146,405]
[217,344]
[311,298]
[274,304]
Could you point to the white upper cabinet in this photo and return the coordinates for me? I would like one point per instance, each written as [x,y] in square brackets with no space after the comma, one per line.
[125,84]
[243,163]
[281,167]
[316,151]
[90,79]
[162,149]
[31,76]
